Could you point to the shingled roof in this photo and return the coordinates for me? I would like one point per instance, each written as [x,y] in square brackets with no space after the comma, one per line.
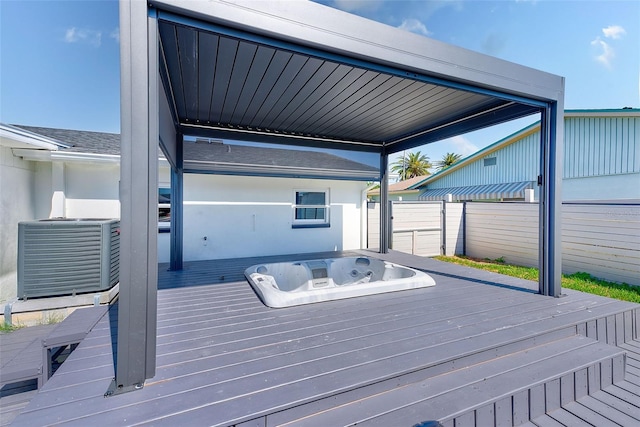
[214,156]
[81,141]
[261,156]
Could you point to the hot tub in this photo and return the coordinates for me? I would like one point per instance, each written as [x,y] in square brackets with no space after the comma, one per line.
[286,284]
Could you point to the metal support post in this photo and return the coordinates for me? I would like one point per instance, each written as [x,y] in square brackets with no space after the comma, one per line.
[177,199]
[550,234]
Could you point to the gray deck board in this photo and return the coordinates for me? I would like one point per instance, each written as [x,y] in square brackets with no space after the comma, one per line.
[224,358]
[546,421]
[12,406]
[631,397]
[21,353]
[618,403]
[259,367]
[608,411]
[568,419]
[442,396]
[630,387]
[589,415]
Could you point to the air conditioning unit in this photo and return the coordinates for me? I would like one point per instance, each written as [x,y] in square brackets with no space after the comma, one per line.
[67,256]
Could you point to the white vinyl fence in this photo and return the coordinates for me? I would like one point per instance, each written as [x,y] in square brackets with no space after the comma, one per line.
[600,239]
[603,240]
[506,231]
[416,227]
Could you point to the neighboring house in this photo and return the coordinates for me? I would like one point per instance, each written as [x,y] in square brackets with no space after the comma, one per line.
[245,200]
[601,162]
[399,191]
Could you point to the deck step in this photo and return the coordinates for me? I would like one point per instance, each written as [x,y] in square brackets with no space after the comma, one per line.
[512,389]
[11,406]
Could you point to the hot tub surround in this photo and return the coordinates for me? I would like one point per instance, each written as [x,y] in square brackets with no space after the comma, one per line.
[303,282]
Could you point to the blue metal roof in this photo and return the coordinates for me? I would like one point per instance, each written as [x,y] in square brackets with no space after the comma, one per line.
[509,190]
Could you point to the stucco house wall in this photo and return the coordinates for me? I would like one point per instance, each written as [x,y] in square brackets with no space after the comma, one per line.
[17,203]
[239,215]
[248,216]
[91,190]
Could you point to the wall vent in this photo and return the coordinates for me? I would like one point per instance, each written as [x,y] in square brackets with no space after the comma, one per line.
[67,256]
[490,161]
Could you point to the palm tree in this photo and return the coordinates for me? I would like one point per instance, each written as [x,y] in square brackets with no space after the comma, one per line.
[447,160]
[416,164]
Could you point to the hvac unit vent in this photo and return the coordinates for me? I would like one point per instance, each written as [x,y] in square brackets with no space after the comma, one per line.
[67,256]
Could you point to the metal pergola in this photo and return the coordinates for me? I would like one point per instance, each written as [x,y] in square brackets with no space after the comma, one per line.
[301,74]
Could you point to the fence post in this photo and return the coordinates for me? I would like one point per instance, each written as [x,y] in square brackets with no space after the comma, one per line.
[389,220]
[443,227]
[464,228]
[529,195]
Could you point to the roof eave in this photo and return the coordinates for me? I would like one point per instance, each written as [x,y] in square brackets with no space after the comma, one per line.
[619,112]
[219,168]
[15,137]
[397,192]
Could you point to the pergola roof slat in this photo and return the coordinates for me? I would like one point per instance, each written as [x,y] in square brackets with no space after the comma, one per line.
[280,88]
[314,83]
[223,75]
[260,61]
[245,53]
[272,89]
[188,57]
[206,68]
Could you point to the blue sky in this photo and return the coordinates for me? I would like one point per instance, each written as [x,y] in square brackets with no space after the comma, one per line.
[59,60]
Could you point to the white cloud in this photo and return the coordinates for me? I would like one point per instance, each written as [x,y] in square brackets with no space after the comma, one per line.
[614,32]
[415,26]
[81,35]
[605,53]
[461,145]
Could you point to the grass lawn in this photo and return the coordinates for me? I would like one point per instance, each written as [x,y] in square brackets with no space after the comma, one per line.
[578,281]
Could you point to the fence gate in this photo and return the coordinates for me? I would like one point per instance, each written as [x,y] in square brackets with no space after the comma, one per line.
[415,227]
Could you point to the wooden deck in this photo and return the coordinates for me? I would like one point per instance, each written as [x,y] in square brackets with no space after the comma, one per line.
[477,349]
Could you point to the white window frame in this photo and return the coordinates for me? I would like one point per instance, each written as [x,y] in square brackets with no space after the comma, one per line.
[311,223]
